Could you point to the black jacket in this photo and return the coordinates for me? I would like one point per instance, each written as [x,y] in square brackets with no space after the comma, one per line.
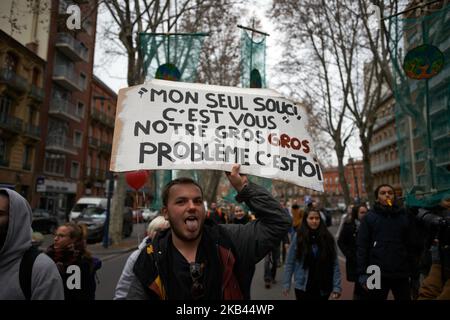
[384,240]
[247,245]
[347,244]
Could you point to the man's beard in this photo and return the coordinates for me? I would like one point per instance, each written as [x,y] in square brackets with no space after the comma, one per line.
[180,235]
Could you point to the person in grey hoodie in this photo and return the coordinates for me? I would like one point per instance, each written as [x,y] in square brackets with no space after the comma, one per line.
[15,240]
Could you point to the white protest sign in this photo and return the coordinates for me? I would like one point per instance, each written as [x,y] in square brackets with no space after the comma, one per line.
[175,125]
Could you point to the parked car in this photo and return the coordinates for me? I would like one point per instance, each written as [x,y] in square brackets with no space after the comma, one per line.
[148,215]
[86,202]
[37,239]
[43,221]
[95,217]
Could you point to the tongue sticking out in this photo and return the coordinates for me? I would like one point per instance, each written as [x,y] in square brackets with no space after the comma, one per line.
[192,225]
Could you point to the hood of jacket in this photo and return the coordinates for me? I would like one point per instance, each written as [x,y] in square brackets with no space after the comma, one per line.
[18,237]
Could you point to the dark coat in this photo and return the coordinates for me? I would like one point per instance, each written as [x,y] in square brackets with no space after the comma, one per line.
[249,244]
[88,268]
[384,239]
[347,244]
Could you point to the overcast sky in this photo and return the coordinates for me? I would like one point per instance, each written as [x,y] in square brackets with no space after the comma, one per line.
[113,71]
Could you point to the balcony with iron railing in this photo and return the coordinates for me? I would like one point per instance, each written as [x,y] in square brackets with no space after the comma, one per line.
[95,174]
[102,117]
[60,144]
[440,131]
[93,142]
[64,108]
[106,147]
[437,108]
[13,80]
[66,77]
[4,162]
[109,121]
[442,157]
[383,143]
[386,165]
[71,47]
[382,121]
[32,131]
[11,123]
[36,93]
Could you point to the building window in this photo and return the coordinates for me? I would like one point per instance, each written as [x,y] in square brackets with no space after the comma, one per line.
[26,161]
[98,164]
[75,170]
[83,81]
[63,4]
[54,163]
[61,94]
[11,62]
[80,109]
[31,115]
[77,139]
[35,77]
[5,106]
[88,165]
[3,156]
[58,128]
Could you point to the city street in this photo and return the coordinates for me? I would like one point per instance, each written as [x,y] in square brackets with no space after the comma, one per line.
[113,261]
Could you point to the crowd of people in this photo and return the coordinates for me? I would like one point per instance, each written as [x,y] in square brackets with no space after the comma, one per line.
[190,253]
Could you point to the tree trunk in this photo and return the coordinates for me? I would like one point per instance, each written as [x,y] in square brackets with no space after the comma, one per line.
[368,179]
[343,182]
[210,182]
[117,210]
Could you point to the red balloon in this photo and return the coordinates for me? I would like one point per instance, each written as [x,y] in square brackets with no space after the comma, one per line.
[136,179]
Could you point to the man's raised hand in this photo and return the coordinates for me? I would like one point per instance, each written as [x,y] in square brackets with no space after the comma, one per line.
[238,181]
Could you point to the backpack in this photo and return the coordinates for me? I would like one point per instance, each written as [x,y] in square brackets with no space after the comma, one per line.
[26,270]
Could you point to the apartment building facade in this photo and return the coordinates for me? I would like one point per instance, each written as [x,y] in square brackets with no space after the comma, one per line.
[354,174]
[66,117]
[21,101]
[384,157]
[102,110]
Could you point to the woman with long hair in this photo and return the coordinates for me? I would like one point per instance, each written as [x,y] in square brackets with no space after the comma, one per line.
[69,250]
[312,259]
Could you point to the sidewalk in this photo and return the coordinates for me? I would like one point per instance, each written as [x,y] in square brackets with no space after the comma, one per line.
[126,245]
